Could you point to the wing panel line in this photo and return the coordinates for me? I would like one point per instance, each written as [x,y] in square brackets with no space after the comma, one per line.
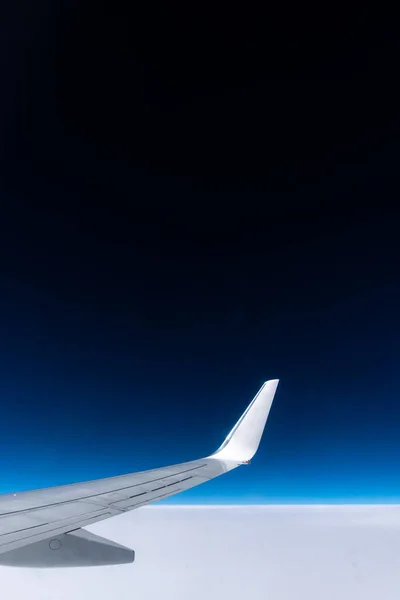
[33,509]
[24,529]
[49,532]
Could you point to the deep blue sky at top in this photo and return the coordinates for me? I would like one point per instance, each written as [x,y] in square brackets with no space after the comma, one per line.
[191,204]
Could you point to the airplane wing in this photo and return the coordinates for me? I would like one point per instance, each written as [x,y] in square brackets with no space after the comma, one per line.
[43,528]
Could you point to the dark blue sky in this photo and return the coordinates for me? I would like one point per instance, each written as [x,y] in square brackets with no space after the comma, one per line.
[181,221]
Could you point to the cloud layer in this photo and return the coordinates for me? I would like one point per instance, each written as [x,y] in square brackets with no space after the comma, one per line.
[274,552]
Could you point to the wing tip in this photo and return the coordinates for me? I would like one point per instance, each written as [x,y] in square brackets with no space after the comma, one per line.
[242,442]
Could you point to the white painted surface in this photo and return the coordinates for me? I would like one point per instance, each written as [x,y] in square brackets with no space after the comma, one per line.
[243,440]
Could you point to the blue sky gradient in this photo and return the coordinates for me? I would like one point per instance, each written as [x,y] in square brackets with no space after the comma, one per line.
[179,223]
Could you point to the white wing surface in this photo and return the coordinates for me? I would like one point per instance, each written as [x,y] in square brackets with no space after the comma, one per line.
[43,528]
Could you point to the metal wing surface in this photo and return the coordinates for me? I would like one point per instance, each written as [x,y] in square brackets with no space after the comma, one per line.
[43,527]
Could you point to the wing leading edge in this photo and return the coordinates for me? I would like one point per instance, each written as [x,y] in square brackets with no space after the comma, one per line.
[42,528]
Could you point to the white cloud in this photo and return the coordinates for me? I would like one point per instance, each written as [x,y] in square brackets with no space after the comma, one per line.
[269,552]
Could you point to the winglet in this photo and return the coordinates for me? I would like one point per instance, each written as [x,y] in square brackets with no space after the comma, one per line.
[243,440]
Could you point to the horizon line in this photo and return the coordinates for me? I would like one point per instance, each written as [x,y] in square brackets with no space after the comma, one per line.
[277,505]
